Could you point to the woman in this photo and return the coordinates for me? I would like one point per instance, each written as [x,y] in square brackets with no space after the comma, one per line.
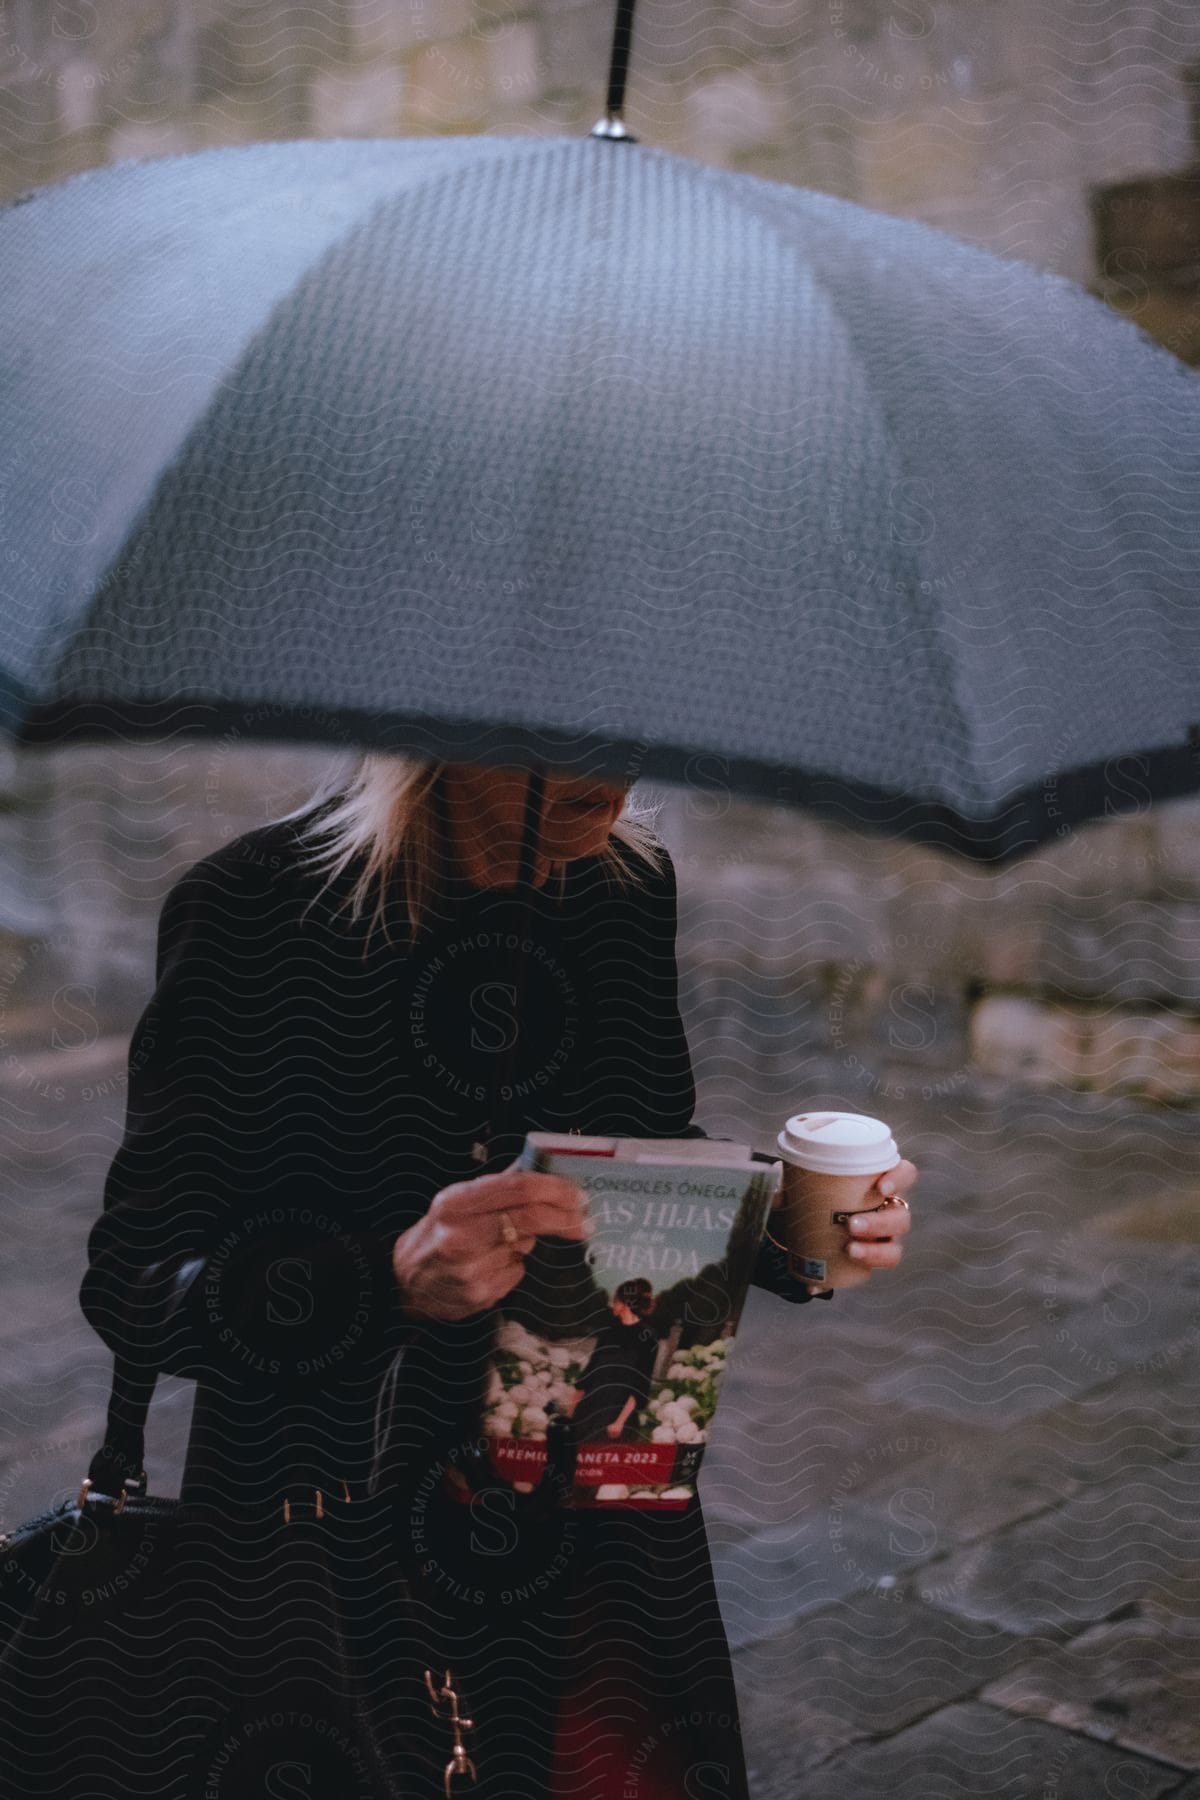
[312,1215]
[615,1385]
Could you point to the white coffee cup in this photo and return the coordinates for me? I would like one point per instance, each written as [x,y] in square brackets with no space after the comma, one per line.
[831,1162]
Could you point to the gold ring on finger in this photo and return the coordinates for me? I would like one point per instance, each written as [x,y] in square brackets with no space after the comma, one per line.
[896,1200]
[508,1231]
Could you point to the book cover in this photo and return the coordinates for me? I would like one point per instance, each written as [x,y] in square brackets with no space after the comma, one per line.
[618,1345]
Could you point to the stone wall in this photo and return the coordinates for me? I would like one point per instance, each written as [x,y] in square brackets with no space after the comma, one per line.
[812,961]
[991,118]
[821,963]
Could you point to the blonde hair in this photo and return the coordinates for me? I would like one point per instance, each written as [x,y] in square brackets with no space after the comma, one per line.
[386,814]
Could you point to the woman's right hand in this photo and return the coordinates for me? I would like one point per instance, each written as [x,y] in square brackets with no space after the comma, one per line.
[454,1261]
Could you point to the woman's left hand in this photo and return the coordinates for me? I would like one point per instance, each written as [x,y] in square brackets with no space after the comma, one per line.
[877,1238]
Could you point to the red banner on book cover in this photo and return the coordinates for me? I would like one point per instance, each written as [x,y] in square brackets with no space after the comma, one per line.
[632,1465]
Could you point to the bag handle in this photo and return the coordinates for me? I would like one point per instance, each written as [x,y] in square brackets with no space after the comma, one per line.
[118,1464]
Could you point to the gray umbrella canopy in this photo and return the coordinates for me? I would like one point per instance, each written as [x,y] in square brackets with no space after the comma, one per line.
[583,454]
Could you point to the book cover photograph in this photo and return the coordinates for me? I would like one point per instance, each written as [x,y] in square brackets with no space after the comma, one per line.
[618,1345]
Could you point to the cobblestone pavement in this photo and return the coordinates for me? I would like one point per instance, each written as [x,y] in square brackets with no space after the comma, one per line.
[955,1514]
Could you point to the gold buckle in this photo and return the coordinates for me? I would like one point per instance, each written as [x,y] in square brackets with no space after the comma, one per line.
[85,1488]
[318,1502]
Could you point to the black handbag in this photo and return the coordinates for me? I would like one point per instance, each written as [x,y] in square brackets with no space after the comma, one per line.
[72,1545]
[146,1647]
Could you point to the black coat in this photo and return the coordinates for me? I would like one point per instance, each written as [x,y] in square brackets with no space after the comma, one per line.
[297,1095]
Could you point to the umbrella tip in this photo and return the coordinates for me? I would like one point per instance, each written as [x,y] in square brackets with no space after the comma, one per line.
[612,126]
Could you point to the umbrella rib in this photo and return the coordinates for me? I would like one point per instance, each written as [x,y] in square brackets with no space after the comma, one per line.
[751,200]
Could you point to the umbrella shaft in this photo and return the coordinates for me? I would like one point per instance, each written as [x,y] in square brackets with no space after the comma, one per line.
[508,1059]
[619,63]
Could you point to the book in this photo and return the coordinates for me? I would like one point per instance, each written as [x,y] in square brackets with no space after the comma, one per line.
[617,1346]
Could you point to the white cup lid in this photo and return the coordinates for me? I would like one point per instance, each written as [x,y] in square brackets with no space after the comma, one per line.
[838,1143]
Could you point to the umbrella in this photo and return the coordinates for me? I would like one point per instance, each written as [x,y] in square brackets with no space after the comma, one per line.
[580,453]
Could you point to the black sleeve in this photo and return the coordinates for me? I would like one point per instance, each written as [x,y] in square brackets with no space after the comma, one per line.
[771,1264]
[215,1252]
